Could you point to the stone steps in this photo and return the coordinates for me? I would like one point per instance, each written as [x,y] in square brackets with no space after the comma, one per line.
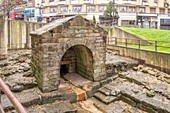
[26,98]
[105,99]
[34,96]
[86,107]
[143,98]
[149,82]
[115,107]
[55,107]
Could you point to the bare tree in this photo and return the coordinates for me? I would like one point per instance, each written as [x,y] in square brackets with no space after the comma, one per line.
[7,5]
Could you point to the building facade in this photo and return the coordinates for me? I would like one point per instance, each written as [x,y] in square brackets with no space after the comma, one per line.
[142,13]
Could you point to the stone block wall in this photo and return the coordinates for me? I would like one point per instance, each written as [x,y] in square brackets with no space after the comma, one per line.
[3,38]
[122,35]
[18,34]
[52,41]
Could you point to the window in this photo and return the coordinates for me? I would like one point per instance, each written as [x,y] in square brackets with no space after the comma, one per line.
[42,11]
[168,10]
[162,21]
[141,10]
[152,10]
[90,8]
[162,11]
[51,0]
[129,0]
[43,1]
[102,8]
[132,9]
[76,9]
[53,9]
[123,9]
[64,9]
[155,1]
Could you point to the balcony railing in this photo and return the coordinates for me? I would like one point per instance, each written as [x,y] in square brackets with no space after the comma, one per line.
[129,2]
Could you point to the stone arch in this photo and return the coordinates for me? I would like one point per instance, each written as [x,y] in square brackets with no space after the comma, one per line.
[73,42]
[78,59]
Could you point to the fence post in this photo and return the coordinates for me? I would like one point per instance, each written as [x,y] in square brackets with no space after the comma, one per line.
[156,45]
[126,42]
[139,44]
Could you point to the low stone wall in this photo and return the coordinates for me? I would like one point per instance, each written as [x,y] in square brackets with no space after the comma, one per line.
[158,60]
[119,33]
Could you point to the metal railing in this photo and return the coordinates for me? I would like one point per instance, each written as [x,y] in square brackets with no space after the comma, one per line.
[139,43]
[17,105]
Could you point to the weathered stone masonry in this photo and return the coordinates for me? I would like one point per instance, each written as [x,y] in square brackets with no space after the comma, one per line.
[72,44]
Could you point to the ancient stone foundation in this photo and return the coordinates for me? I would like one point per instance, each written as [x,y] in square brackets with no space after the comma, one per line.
[68,45]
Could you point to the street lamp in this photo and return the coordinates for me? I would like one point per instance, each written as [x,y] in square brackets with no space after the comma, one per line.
[113,7]
[40,14]
[115,15]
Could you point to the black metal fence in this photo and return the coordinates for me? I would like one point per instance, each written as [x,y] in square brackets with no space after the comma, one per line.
[155,45]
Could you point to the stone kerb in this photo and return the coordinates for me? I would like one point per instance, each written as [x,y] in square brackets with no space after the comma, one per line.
[53,43]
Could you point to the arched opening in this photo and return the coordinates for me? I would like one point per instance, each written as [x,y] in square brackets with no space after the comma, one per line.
[77,59]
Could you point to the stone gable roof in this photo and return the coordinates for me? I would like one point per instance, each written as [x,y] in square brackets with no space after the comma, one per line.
[55,24]
[51,26]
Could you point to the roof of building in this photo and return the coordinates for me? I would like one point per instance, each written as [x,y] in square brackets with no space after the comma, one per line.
[51,25]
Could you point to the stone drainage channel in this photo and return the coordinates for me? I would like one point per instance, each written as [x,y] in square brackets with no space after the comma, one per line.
[127,88]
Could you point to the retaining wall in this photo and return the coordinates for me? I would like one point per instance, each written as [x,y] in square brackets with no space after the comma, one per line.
[3,37]
[18,34]
[15,35]
[122,35]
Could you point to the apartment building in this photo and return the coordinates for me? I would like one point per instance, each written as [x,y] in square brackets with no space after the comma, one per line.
[143,13]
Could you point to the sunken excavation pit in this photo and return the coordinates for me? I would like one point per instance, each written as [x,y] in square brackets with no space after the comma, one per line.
[69,45]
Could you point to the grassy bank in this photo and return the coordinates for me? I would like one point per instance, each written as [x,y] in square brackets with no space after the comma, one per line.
[151,34]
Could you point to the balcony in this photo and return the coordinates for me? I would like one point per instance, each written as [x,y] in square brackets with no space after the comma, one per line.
[145,3]
[155,4]
[61,2]
[74,1]
[104,1]
[51,3]
[129,2]
[147,14]
[88,1]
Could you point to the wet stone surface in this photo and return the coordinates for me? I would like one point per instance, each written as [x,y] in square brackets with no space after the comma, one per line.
[136,89]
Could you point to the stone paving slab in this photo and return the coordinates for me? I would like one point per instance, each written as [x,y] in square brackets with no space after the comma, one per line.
[138,94]
[149,82]
[105,99]
[56,107]
[76,79]
[115,59]
[86,107]
[116,107]
[35,96]
[26,98]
